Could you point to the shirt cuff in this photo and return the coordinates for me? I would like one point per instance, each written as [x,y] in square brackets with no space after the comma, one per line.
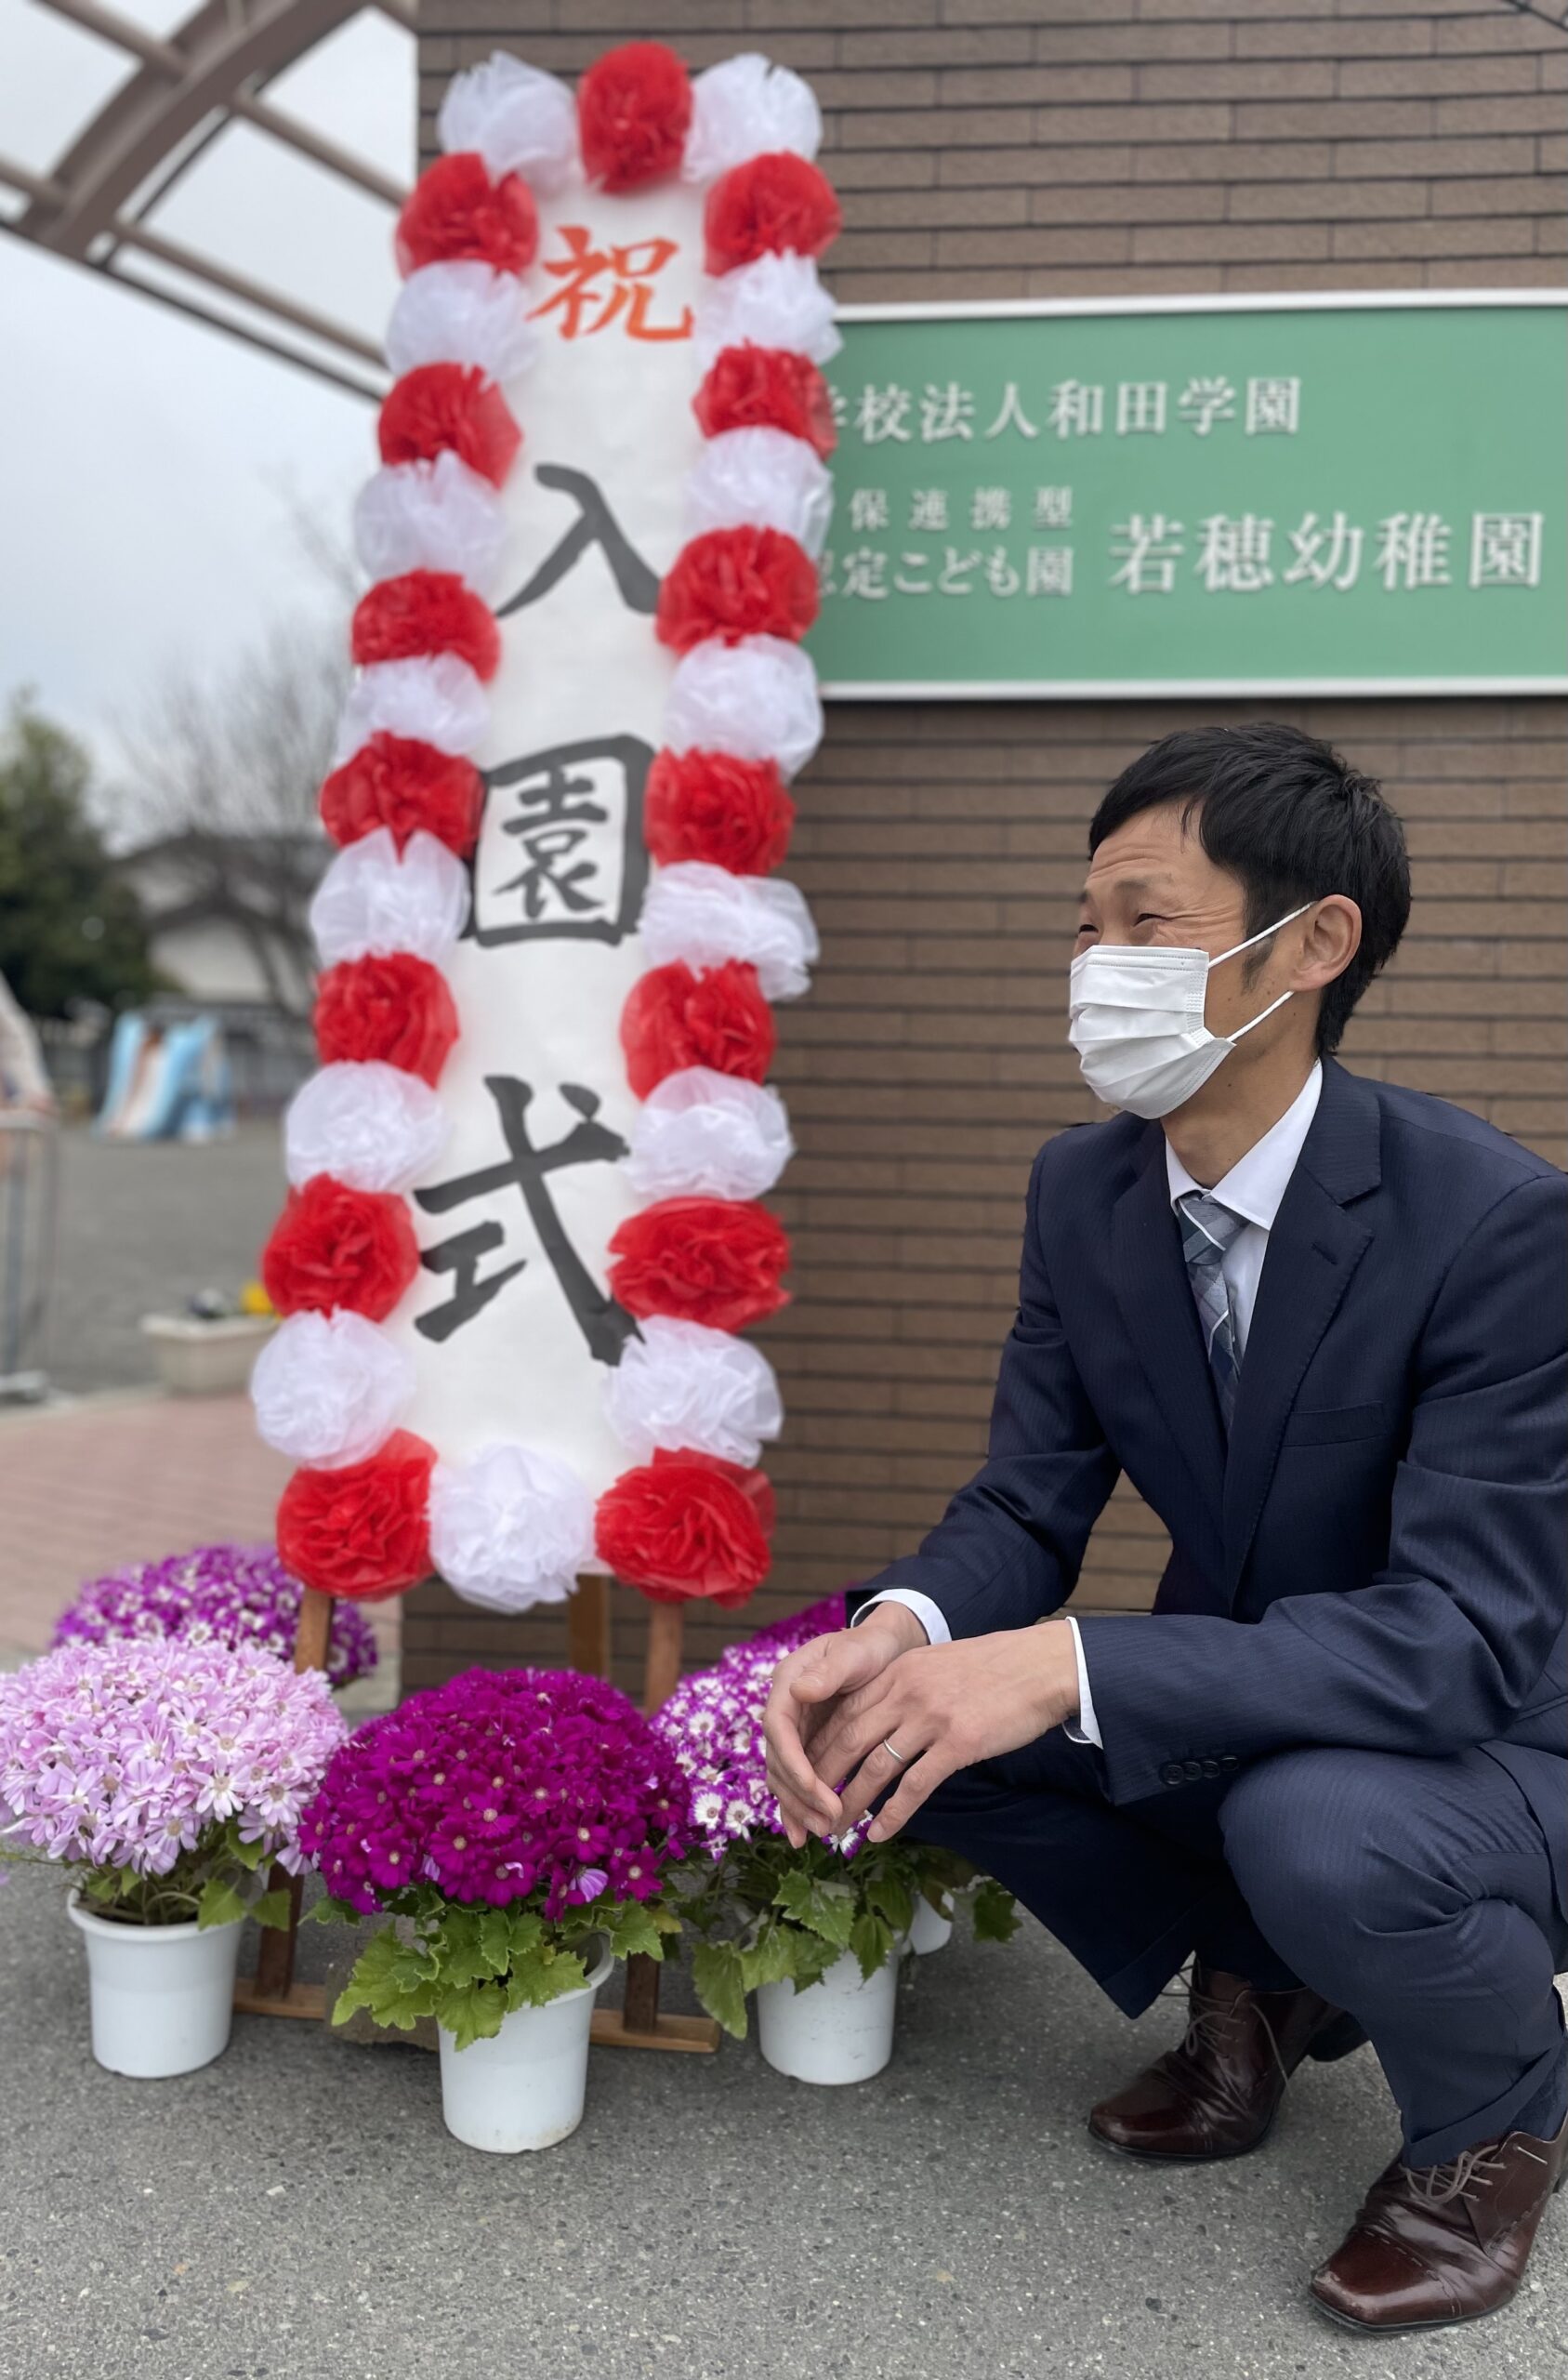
[926,1612]
[1085,1729]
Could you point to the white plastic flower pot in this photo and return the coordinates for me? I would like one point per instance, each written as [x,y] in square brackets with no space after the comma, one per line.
[525,2087]
[162,1996]
[837,2031]
[930,1930]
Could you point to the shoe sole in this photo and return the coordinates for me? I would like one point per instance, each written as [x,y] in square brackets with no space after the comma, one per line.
[1400,2329]
[1179,2156]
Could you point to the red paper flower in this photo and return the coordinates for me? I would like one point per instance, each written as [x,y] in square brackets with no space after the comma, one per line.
[457,210]
[442,407]
[634,106]
[686,1528]
[396,782]
[392,1007]
[772,204]
[673,1018]
[766,387]
[713,806]
[333,1247]
[737,582]
[425,610]
[363,1531]
[717,1261]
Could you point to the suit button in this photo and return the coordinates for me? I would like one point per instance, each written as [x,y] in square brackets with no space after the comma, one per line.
[1211,1768]
[1171,1772]
[1227,1760]
[1193,1768]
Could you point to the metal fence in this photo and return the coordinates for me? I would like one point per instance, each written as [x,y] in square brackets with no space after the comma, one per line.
[29,1206]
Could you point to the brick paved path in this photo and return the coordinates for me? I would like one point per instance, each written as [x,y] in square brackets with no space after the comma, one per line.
[127,1478]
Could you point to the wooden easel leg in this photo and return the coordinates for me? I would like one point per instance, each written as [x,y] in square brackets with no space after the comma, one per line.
[273,1991]
[588,1628]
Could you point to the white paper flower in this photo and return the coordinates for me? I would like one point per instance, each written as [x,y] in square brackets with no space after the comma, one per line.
[330,1388]
[757,698]
[704,915]
[764,478]
[702,1134]
[435,698]
[682,1384]
[371,902]
[511,1528]
[743,107]
[463,312]
[521,120]
[373,1126]
[432,515]
[774,301]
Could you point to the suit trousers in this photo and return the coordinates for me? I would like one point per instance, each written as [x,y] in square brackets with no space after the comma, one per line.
[1415,1894]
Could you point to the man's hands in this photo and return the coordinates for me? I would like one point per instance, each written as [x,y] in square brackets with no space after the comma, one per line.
[809,1687]
[837,1703]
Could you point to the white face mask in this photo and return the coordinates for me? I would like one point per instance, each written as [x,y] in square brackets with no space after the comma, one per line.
[1135,1015]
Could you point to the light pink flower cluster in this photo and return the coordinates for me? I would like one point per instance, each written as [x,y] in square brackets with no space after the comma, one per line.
[125,1755]
[713,1724]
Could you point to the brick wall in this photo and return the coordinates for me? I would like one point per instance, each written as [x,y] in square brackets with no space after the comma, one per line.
[1017,148]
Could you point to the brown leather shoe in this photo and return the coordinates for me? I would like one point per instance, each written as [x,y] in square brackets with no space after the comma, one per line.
[1215,2095]
[1436,2244]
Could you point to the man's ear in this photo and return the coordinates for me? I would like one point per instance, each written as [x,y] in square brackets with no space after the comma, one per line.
[1332,939]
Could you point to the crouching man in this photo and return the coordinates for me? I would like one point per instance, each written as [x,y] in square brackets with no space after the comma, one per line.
[1320,1322]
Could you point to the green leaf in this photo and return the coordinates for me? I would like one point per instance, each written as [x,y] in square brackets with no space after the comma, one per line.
[396,1983]
[633,1930]
[717,1972]
[330,1911]
[495,1939]
[994,1910]
[535,1981]
[870,1939]
[219,1904]
[824,1909]
[474,2012]
[273,1908]
[891,1899]
[249,1855]
[770,1958]
[811,1960]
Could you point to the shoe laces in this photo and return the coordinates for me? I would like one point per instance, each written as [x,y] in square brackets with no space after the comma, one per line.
[1462,2176]
[1213,2023]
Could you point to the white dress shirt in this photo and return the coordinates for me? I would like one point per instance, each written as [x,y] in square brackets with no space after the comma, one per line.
[1253,1187]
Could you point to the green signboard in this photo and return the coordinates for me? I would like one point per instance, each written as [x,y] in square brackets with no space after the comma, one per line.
[1200,496]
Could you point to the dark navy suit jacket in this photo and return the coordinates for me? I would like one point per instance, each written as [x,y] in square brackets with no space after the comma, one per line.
[1378,1558]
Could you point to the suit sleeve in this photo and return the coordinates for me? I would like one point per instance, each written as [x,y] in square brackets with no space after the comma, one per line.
[1449,1641]
[1006,1551]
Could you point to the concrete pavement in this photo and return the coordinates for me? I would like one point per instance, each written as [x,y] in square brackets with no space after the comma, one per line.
[297,2212]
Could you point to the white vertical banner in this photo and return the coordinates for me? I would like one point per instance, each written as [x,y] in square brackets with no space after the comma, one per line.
[524,1224]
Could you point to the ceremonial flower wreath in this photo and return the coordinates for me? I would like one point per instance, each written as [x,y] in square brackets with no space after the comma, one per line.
[216,1594]
[501,1822]
[162,1775]
[371,1508]
[766,1912]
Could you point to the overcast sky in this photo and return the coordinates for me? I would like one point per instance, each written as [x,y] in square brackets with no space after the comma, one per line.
[150,466]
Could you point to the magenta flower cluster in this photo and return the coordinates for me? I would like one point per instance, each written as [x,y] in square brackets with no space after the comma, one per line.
[217,1595]
[713,1724]
[127,1754]
[498,1786]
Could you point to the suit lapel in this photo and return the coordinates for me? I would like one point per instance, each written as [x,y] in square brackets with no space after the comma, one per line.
[1152,1287]
[1314,1247]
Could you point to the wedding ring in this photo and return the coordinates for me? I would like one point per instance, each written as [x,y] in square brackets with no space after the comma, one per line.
[893,1752]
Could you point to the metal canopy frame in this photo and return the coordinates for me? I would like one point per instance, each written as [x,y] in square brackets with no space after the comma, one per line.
[185,89]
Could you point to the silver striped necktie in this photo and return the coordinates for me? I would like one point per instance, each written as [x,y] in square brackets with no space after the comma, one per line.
[1208,1229]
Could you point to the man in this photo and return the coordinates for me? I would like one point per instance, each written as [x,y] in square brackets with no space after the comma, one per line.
[1319,1322]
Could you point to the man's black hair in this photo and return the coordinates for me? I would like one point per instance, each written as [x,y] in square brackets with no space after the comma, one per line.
[1291,821]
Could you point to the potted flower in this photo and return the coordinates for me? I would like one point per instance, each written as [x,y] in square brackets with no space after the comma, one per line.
[816,1933]
[514,1826]
[161,1776]
[220,1595]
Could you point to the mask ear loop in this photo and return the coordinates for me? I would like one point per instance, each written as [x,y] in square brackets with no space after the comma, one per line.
[1244,1029]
